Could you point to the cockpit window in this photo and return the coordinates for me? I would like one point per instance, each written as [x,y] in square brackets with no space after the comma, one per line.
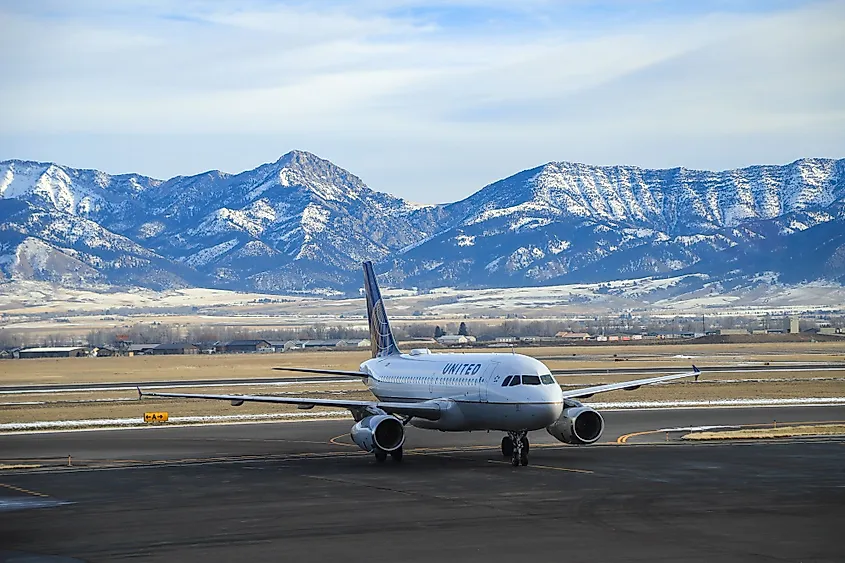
[506,381]
[515,380]
[547,379]
[531,380]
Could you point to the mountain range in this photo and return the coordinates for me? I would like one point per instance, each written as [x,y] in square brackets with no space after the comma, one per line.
[303,224]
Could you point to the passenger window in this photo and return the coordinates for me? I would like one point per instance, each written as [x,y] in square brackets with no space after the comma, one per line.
[547,379]
[515,380]
[531,380]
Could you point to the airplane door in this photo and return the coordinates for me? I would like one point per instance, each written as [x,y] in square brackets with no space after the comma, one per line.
[486,379]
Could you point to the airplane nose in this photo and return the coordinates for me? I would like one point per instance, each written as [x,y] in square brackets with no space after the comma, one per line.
[554,411]
[547,412]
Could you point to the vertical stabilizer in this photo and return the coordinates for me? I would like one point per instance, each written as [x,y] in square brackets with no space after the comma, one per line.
[381,337]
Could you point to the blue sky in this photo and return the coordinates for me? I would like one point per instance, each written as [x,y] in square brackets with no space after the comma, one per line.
[429,100]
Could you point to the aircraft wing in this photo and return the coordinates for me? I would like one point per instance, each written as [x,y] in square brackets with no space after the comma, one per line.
[326,371]
[628,385]
[427,410]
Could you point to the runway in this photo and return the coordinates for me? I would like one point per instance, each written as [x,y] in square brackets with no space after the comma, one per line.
[300,491]
[122,386]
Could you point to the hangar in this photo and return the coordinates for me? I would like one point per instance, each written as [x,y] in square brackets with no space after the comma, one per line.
[54,352]
[175,348]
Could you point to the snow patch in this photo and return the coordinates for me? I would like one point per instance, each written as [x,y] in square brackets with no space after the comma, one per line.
[210,254]
[558,246]
[465,240]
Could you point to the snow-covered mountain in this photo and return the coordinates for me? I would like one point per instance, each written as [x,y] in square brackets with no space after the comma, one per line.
[302,223]
[566,222]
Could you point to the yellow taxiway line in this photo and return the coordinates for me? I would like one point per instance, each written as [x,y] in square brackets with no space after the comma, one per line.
[25,491]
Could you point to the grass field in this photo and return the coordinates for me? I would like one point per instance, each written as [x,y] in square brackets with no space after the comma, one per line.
[121,404]
[247,366]
[768,433]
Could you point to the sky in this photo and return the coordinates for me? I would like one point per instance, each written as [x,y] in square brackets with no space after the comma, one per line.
[427,99]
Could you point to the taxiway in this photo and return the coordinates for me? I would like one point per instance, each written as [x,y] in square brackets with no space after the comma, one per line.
[301,491]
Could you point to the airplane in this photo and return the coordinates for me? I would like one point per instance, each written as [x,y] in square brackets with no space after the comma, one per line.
[453,392]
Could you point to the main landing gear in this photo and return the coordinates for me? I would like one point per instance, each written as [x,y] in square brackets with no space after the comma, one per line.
[515,446]
[381,455]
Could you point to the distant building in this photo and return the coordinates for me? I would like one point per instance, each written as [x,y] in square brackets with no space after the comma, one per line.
[175,348]
[455,340]
[536,339]
[104,352]
[140,349]
[246,346]
[10,353]
[565,335]
[791,325]
[209,347]
[732,331]
[54,352]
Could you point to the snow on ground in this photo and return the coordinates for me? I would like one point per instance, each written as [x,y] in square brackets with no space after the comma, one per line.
[800,401]
[28,297]
[206,255]
[66,425]
[43,295]
[176,420]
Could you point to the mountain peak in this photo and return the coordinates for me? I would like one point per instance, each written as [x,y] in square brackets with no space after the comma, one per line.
[303,222]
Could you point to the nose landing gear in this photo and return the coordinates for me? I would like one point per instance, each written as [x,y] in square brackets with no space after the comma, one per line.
[381,455]
[515,446]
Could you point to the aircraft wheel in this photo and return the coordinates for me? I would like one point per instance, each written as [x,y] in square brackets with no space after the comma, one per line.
[381,456]
[396,455]
[507,446]
[523,459]
[525,445]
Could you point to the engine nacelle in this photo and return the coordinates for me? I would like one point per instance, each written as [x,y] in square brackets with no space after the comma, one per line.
[577,425]
[381,431]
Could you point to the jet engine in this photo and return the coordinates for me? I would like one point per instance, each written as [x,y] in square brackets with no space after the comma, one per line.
[381,431]
[577,425]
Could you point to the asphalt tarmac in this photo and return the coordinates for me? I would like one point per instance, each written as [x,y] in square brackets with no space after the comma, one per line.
[301,491]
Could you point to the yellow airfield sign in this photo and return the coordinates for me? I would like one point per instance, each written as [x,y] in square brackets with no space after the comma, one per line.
[155,417]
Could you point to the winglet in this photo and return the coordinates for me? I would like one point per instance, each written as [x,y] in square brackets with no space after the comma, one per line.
[696,371]
[140,394]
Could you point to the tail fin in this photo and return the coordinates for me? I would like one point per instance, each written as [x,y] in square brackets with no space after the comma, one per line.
[381,337]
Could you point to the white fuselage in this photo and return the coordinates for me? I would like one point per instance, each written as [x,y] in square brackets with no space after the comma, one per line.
[469,389]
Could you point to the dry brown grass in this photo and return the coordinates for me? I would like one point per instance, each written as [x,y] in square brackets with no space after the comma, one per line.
[765,433]
[247,366]
[170,368]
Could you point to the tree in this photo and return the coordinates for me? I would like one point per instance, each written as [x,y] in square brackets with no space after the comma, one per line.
[438,332]
[462,330]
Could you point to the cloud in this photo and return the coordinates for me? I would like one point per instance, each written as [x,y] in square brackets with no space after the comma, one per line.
[425,99]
